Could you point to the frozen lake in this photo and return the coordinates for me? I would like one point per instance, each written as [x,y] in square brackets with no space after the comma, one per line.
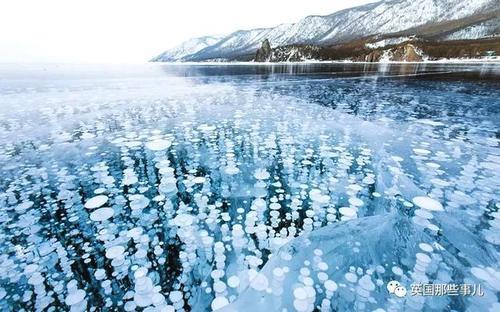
[250,187]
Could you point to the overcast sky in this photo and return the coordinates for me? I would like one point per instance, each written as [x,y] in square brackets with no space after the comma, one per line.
[126,31]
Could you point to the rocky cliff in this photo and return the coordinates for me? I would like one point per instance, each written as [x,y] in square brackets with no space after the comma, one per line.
[402,53]
[264,53]
[407,50]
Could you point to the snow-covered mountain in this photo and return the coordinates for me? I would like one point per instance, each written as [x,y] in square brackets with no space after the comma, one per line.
[186,48]
[379,18]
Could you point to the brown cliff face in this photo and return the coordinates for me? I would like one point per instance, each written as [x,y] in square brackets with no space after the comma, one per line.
[406,53]
[403,53]
[373,56]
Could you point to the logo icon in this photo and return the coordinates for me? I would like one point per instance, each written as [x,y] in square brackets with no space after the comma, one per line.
[394,287]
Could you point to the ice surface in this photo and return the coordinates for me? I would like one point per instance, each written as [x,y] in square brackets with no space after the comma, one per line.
[239,194]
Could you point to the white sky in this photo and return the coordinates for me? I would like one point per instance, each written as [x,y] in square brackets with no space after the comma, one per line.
[127,31]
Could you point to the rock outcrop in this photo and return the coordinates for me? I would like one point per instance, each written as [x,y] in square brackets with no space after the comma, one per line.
[264,53]
[294,53]
[406,53]
[373,56]
[401,53]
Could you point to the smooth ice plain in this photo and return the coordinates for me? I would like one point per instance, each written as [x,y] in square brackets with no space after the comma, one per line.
[240,188]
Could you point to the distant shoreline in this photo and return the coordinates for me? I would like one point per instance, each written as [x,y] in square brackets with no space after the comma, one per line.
[310,62]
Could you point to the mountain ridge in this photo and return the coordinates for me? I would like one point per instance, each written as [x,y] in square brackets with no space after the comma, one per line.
[188,47]
[344,26]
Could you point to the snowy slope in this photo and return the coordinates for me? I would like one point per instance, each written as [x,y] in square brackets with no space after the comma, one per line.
[393,16]
[186,48]
[486,29]
[382,17]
